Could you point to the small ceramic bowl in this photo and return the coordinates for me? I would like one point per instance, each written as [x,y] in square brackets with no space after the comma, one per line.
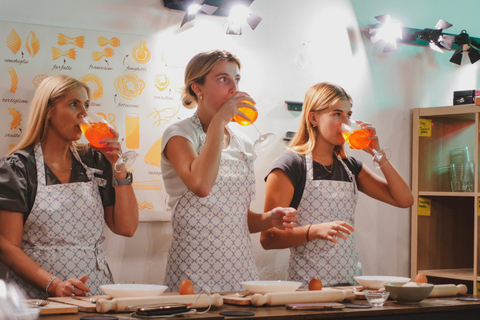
[410,292]
[376,298]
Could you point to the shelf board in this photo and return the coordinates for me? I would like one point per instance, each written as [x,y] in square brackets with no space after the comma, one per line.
[459,274]
[449,110]
[446,194]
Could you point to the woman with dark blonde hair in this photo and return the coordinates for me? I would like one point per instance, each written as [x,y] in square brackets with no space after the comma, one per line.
[318,179]
[207,169]
[56,195]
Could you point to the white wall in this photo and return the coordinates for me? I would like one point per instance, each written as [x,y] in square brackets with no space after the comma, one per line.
[297,44]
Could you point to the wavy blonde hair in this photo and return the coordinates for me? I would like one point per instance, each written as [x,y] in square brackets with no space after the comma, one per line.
[197,69]
[318,97]
[48,93]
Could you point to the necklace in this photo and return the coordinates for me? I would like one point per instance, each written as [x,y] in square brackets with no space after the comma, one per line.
[57,169]
[331,169]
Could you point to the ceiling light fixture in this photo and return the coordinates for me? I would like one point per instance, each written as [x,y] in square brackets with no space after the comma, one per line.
[195,7]
[240,14]
[388,31]
[465,46]
[435,38]
[236,10]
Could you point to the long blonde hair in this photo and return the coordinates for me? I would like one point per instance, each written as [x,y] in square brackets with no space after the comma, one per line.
[318,97]
[197,69]
[48,93]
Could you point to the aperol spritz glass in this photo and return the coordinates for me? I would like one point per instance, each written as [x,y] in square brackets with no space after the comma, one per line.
[95,129]
[264,140]
[359,138]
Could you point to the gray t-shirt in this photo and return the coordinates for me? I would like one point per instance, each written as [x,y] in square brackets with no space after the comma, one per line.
[18,178]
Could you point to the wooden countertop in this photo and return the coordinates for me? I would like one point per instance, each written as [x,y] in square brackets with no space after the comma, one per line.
[432,308]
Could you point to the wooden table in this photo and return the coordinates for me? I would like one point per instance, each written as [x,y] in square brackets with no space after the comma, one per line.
[432,308]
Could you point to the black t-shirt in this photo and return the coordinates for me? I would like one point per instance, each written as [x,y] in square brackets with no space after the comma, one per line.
[18,178]
[294,165]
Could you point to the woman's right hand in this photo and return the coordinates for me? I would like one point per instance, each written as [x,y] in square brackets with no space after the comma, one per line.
[330,231]
[230,108]
[72,287]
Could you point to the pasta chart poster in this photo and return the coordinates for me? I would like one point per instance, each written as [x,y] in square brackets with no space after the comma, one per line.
[133,87]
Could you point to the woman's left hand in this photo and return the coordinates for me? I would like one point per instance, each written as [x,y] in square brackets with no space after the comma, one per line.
[112,148]
[283,218]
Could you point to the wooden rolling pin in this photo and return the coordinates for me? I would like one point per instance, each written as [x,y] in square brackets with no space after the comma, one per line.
[282,298]
[447,290]
[123,304]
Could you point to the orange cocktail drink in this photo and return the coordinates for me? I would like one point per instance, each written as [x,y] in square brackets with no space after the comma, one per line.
[95,132]
[357,139]
[249,112]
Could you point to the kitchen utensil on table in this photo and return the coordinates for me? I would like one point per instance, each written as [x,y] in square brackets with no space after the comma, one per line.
[282,298]
[83,304]
[263,287]
[128,304]
[408,292]
[39,303]
[376,282]
[376,298]
[447,290]
[54,307]
[133,290]
[238,298]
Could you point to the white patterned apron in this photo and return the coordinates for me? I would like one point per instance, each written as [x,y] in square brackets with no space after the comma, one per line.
[211,243]
[64,231]
[325,201]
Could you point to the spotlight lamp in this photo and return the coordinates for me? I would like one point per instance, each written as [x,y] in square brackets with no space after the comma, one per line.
[239,14]
[194,8]
[435,38]
[465,46]
[388,31]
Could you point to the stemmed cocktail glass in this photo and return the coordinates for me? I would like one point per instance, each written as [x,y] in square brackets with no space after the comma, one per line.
[264,140]
[358,138]
[95,129]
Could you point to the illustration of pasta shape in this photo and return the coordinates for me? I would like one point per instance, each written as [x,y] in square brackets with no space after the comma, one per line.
[13,76]
[129,86]
[97,83]
[77,41]
[102,41]
[97,55]
[140,53]
[13,41]
[38,79]
[145,205]
[57,53]
[17,118]
[161,82]
[32,44]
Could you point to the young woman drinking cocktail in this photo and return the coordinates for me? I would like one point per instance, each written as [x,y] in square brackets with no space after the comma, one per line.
[207,169]
[318,179]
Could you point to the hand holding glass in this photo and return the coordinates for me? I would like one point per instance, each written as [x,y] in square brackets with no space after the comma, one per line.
[264,140]
[95,129]
[358,138]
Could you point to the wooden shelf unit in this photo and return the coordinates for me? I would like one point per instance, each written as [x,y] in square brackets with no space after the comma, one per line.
[444,236]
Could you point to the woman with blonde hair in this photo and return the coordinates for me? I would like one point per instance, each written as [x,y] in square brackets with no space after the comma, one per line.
[318,179]
[56,195]
[207,169]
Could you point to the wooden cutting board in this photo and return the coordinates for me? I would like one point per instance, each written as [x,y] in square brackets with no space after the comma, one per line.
[55,307]
[235,299]
[82,305]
